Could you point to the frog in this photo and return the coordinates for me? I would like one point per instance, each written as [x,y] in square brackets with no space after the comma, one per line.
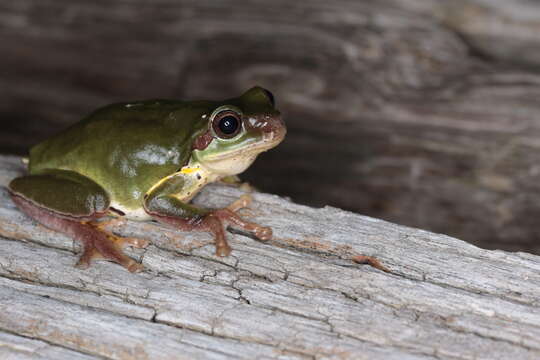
[145,161]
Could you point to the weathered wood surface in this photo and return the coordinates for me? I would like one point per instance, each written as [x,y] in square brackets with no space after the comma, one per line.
[422,112]
[299,296]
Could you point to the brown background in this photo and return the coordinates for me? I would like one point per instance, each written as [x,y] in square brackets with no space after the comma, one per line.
[425,113]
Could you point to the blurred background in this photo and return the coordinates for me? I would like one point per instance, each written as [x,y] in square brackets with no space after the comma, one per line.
[421,112]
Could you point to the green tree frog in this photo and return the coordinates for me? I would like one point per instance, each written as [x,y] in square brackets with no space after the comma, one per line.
[147,160]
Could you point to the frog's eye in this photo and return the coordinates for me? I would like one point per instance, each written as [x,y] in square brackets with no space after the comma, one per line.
[227,124]
[270,97]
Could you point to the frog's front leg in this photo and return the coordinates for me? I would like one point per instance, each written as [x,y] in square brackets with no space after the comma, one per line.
[70,203]
[164,203]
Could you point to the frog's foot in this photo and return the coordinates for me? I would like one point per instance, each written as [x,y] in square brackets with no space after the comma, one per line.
[229,214]
[99,244]
[216,220]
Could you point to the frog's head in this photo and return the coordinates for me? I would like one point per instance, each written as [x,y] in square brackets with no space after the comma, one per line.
[238,130]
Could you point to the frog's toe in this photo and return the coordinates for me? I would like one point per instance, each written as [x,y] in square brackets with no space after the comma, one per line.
[247,187]
[134,266]
[240,203]
[223,250]
[140,243]
[135,242]
[89,253]
[263,233]
[82,264]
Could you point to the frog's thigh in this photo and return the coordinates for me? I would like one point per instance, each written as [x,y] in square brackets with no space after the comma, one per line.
[62,191]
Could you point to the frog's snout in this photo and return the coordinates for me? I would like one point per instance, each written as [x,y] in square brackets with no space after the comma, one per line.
[271,125]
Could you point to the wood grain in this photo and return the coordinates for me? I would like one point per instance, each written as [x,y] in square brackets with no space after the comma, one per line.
[421,112]
[299,296]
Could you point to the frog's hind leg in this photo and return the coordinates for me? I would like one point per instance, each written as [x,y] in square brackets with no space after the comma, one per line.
[71,203]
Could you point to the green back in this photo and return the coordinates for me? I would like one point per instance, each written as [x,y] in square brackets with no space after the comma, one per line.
[126,148]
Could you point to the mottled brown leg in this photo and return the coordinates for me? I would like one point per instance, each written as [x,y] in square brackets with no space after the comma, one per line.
[96,242]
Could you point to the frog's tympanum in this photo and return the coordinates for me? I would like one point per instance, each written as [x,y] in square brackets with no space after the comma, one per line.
[146,160]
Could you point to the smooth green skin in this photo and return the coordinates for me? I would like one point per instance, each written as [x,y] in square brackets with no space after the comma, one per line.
[129,155]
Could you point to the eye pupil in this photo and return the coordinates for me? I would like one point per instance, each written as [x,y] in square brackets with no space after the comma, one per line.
[228,125]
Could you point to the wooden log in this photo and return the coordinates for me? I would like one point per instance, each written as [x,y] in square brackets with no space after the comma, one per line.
[299,296]
[422,112]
